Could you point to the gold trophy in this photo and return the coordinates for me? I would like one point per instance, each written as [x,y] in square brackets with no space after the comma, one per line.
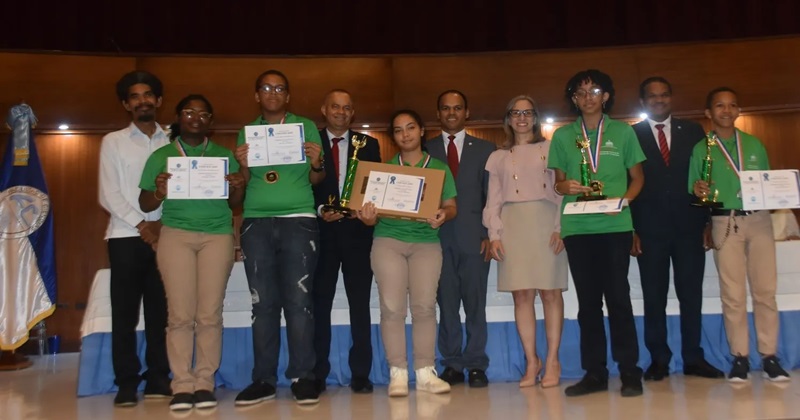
[708,164]
[586,174]
[349,178]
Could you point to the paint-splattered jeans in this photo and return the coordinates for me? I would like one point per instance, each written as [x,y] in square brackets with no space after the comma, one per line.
[280,256]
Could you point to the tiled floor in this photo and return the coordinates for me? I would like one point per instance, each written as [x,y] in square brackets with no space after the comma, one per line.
[47,391]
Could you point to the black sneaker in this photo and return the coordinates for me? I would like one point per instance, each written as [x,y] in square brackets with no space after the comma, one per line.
[157,388]
[182,401]
[305,391]
[740,371]
[631,384]
[255,393]
[204,399]
[452,376]
[321,385]
[589,384]
[126,396]
[361,385]
[477,378]
[773,370]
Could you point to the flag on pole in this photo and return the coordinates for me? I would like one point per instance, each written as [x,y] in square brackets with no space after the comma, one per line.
[27,257]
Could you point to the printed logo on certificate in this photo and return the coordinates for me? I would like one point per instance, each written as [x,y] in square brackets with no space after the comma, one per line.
[197,178]
[275,144]
[389,191]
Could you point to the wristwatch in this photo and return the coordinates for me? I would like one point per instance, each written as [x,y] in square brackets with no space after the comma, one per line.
[321,167]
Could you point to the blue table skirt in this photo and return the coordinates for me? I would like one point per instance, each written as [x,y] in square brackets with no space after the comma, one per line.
[507,360]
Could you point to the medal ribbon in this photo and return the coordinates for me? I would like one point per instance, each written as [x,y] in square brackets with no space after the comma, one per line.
[182,151]
[594,157]
[424,165]
[736,168]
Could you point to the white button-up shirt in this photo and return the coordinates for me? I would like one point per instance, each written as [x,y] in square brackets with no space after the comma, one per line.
[459,141]
[123,154]
[667,130]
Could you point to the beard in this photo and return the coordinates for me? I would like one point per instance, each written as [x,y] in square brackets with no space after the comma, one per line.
[149,117]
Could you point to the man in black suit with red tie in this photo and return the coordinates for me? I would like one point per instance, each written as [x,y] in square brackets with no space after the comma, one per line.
[668,228]
[344,242]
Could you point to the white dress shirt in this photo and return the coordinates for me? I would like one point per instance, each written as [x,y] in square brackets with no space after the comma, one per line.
[667,130]
[459,140]
[343,158]
[123,154]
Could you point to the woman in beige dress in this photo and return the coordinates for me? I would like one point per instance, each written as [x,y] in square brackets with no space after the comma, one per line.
[522,217]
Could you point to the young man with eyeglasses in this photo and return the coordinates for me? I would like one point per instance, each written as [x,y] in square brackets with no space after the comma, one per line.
[132,235]
[280,245]
[598,245]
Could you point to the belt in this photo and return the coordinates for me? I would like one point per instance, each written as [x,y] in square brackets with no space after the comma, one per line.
[727,212]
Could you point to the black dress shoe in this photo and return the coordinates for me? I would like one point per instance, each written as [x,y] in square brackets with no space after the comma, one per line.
[477,378]
[452,376]
[589,384]
[702,369]
[631,384]
[361,385]
[126,396]
[656,372]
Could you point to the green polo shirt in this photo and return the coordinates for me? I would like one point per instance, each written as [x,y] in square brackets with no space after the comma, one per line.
[723,178]
[291,193]
[410,231]
[619,152]
[207,216]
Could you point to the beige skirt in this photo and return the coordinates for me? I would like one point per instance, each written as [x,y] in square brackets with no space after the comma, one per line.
[529,261]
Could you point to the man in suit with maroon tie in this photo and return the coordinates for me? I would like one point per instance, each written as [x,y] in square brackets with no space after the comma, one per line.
[465,245]
[668,228]
[345,243]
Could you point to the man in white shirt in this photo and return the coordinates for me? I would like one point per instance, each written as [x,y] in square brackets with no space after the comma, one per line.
[132,236]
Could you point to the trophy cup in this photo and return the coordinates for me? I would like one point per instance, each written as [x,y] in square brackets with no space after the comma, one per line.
[586,174]
[708,164]
[349,178]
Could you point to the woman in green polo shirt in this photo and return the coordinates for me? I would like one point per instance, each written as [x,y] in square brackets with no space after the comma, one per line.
[598,245]
[407,260]
[195,255]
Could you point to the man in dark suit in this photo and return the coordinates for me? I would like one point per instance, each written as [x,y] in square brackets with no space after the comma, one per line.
[668,228]
[346,243]
[465,245]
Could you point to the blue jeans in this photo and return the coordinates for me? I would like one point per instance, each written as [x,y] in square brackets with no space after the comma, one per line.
[280,256]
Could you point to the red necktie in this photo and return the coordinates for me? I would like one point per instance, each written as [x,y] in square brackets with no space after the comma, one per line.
[662,143]
[335,154]
[452,156]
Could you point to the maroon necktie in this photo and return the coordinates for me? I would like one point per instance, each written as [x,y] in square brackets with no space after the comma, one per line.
[662,143]
[452,156]
[335,154]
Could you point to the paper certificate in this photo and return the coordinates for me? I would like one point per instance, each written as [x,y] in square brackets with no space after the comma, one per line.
[768,190]
[614,205]
[396,192]
[195,178]
[275,144]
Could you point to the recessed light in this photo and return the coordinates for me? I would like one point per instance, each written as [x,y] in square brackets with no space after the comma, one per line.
[63,127]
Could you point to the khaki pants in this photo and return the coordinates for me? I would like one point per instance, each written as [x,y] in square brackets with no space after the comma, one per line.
[405,269]
[748,253]
[195,267]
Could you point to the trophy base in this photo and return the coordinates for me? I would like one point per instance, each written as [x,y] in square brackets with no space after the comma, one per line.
[708,204]
[591,197]
[346,211]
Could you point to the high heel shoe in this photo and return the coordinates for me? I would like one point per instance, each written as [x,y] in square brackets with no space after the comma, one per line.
[552,375]
[528,381]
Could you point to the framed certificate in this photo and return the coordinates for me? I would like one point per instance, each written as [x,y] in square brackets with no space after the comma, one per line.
[196,178]
[398,192]
[395,192]
[769,190]
[275,144]
[613,205]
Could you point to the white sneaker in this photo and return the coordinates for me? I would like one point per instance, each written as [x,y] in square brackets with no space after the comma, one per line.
[398,382]
[428,381]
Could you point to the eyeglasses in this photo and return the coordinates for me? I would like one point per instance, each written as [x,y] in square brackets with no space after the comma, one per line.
[594,93]
[278,90]
[192,114]
[516,113]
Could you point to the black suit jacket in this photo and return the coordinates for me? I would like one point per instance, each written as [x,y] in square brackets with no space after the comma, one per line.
[352,228]
[664,205]
[466,231]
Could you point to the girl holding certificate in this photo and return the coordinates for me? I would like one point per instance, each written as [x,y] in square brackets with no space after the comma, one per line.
[407,259]
[744,244]
[523,221]
[597,149]
[195,255]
